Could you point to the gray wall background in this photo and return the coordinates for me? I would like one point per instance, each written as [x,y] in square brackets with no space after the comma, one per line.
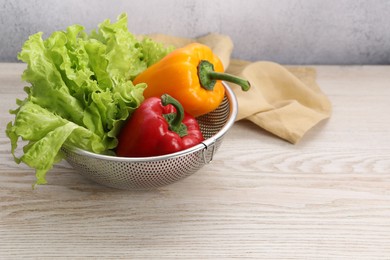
[284,31]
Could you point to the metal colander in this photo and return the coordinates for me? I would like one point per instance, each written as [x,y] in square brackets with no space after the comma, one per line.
[152,172]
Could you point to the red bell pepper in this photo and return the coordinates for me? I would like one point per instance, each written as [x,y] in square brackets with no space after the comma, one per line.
[159,126]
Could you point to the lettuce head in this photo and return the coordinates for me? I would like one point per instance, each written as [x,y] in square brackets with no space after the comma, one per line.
[80,91]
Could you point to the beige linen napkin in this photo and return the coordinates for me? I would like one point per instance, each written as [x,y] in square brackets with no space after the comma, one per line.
[285,101]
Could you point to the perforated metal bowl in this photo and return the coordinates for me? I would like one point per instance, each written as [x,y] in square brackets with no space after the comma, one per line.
[152,172]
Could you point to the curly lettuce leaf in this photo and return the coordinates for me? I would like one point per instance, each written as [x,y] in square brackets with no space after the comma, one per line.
[46,133]
[80,92]
[153,52]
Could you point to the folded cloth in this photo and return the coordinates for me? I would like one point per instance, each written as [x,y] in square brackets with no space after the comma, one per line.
[285,101]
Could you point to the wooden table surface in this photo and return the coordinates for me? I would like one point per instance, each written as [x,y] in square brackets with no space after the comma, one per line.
[327,197]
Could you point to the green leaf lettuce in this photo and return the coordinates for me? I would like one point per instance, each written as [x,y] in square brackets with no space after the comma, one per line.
[80,91]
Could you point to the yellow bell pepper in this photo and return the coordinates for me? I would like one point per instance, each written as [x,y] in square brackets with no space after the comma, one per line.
[192,75]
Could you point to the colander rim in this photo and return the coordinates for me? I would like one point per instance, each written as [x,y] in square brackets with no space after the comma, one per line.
[206,143]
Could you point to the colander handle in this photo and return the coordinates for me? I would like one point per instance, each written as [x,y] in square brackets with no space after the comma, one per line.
[205,151]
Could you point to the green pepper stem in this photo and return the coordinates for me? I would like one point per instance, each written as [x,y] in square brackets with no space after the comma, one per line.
[175,119]
[207,77]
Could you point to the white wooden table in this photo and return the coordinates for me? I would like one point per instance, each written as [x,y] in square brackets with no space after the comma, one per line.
[327,197]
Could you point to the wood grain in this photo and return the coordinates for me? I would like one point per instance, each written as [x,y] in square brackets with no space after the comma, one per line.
[327,197]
